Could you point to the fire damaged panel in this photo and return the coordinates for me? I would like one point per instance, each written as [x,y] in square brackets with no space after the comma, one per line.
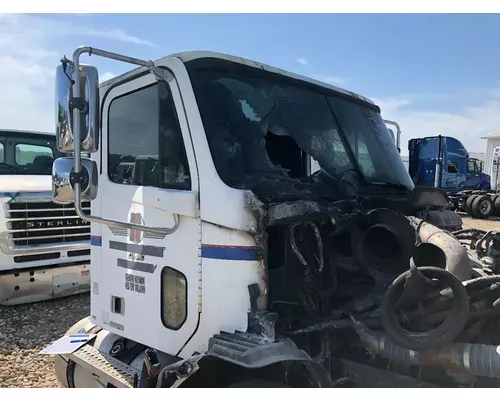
[330,262]
[350,245]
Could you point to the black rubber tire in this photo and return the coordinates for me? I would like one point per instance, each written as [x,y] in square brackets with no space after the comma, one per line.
[445,333]
[468,204]
[496,206]
[258,383]
[478,203]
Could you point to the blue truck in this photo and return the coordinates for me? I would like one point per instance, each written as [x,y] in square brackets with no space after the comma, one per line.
[443,162]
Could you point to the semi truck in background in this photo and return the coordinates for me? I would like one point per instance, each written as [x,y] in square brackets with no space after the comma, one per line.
[44,246]
[443,162]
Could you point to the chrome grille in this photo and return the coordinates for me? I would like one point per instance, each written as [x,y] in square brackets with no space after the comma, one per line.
[37,223]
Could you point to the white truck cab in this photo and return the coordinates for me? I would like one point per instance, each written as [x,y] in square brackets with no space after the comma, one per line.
[44,246]
[219,256]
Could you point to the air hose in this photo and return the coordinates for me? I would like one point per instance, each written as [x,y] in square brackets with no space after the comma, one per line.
[444,333]
[473,358]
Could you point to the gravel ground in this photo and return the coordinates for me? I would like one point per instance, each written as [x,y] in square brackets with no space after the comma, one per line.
[27,329]
[489,224]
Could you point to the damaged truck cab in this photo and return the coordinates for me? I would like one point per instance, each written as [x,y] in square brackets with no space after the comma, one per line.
[218,257]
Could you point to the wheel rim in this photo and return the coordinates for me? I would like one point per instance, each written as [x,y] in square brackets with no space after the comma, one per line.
[485,207]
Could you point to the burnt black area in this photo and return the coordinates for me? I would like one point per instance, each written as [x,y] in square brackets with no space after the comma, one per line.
[322,261]
[334,238]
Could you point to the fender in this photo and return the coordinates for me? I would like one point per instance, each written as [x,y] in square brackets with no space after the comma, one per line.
[232,357]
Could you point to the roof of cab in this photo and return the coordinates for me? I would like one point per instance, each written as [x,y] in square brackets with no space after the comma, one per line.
[199,54]
[24,131]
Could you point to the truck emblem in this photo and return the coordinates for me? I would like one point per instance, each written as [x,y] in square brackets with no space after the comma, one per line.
[60,223]
[136,236]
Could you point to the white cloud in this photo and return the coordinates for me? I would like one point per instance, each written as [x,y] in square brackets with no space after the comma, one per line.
[467,125]
[391,104]
[116,34]
[30,49]
[303,61]
[106,76]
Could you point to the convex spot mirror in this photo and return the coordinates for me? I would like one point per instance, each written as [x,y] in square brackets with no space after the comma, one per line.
[62,189]
[65,102]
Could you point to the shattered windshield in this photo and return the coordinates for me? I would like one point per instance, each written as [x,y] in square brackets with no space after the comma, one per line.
[259,123]
[371,142]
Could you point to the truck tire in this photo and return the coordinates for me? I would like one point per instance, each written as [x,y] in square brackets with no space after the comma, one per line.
[258,383]
[482,207]
[496,205]
[468,204]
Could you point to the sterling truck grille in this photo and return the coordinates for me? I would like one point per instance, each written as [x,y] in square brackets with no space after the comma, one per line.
[32,224]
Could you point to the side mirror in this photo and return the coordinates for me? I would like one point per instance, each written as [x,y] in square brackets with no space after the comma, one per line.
[62,188]
[89,105]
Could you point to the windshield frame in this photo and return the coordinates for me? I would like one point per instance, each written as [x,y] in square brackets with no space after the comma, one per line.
[219,66]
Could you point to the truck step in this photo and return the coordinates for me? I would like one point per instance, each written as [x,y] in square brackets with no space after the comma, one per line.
[105,366]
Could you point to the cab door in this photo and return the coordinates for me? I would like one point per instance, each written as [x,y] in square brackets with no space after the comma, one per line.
[148,290]
[473,179]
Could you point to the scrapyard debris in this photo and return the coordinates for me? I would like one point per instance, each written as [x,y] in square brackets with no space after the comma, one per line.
[383,290]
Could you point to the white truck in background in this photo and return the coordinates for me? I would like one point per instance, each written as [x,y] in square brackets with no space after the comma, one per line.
[44,246]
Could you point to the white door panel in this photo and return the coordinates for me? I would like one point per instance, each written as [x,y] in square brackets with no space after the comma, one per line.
[132,261]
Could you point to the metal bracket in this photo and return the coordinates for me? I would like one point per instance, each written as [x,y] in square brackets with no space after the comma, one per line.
[161,74]
[79,177]
[79,104]
[65,62]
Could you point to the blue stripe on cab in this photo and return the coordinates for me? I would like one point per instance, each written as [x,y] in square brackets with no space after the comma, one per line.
[235,253]
[229,253]
[96,241]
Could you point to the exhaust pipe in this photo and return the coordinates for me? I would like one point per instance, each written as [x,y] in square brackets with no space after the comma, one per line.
[388,243]
[384,243]
[440,249]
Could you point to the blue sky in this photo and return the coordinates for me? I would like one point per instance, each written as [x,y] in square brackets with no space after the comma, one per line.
[432,73]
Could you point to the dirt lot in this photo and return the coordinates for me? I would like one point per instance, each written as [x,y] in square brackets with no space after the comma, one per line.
[492,223]
[27,329]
